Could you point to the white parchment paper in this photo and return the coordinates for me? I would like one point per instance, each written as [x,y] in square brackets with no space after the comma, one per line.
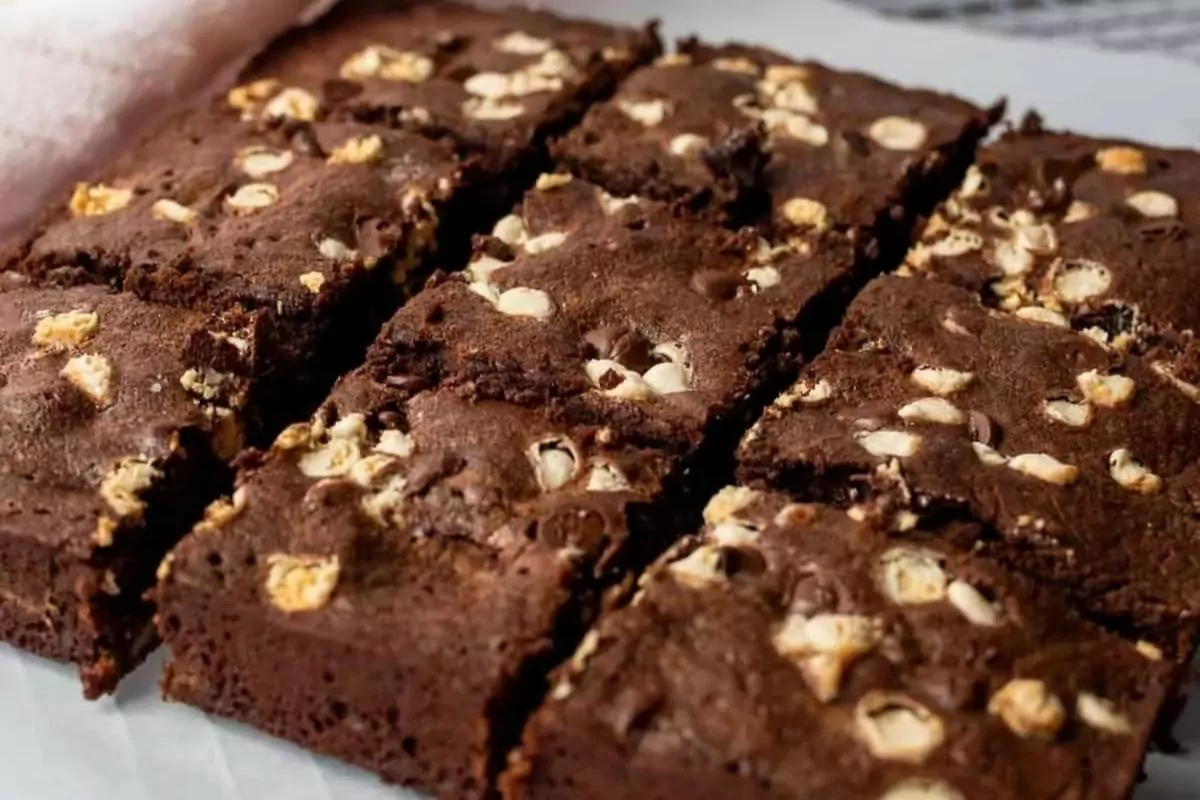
[54,746]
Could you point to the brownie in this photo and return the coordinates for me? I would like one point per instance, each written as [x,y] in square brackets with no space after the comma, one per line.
[674,132]
[390,583]
[1091,234]
[848,150]
[105,461]
[1079,463]
[800,651]
[656,323]
[498,81]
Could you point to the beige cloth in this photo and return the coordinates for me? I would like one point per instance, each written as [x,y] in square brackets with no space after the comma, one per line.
[83,77]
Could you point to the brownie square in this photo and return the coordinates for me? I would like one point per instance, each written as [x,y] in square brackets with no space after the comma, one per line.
[801,651]
[667,322]
[105,461]
[496,81]
[1090,234]
[392,581]
[1080,464]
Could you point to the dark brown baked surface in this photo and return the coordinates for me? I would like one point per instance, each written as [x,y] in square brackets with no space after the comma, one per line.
[102,453]
[1096,235]
[798,651]
[1080,462]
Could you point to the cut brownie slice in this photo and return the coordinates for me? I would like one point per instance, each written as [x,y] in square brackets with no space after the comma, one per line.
[848,150]
[316,228]
[1081,463]
[1096,235]
[795,652]
[104,463]
[672,132]
[667,322]
[391,582]
[497,81]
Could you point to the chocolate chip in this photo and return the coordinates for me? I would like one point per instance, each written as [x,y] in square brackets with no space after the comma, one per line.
[982,429]
[716,284]
[304,141]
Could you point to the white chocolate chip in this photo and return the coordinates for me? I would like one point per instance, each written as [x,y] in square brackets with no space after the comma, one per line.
[687,145]
[1078,211]
[1102,714]
[1028,708]
[522,44]
[121,488]
[899,444]
[804,212]
[1153,204]
[58,333]
[668,378]
[552,180]
[338,455]
[292,103]
[972,604]
[1044,468]
[957,242]
[733,533]
[612,205]
[742,66]
[630,387]
[171,211]
[1122,160]
[922,789]
[555,461]
[699,569]
[673,60]
[1129,473]
[357,150]
[379,61]
[782,74]
[942,381]
[98,199]
[824,646]
[805,392]
[1068,412]
[988,455]
[1043,315]
[247,96]
[795,126]
[525,302]
[1106,391]
[336,250]
[607,477]
[511,230]
[763,278]
[544,242]
[92,375]
[912,576]
[301,582]
[937,410]
[1013,261]
[396,443]
[726,504]
[481,269]
[313,281]
[258,161]
[251,198]
[793,96]
[1167,370]
[974,183]
[897,133]
[492,110]
[895,727]
[1081,279]
[646,112]
[1148,650]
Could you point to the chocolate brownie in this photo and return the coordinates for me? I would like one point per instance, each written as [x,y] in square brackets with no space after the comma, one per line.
[847,150]
[674,132]
[497,81]
[653,322]
[391,582]
[800,651]
[105,461]
[1079,462]
[1091,234]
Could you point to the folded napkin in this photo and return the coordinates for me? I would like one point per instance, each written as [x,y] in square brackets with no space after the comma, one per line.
[83,77]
